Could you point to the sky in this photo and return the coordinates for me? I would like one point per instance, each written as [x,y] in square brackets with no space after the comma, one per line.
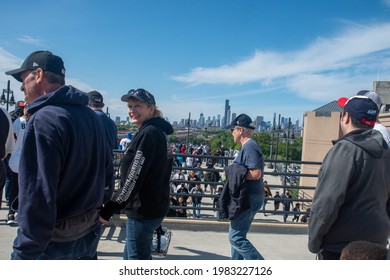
[281,56]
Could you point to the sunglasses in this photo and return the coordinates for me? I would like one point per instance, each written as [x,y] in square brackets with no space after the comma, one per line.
[143,95]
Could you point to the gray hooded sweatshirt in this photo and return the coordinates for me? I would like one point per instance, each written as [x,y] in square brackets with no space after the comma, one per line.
[351,201]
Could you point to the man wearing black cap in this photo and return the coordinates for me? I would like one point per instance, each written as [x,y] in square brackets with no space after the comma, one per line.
[243,193]
[65,168]
[353,186]
[96,104]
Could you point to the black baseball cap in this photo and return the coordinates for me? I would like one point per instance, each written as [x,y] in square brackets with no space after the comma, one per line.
[361,108]
[141,95]
[95,98]
[45,60]
[242,121]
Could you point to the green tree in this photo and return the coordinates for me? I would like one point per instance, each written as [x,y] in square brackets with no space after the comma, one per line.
[173,138]
[263,139]
[294,148]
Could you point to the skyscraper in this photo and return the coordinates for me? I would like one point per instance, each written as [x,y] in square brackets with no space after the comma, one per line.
[201,120]
[227,113]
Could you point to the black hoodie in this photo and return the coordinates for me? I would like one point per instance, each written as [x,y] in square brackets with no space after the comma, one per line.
[145,173]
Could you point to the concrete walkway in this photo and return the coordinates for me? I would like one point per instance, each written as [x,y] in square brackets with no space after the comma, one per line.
[194,240]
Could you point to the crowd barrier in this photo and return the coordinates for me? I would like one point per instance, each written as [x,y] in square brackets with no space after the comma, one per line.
[288,173]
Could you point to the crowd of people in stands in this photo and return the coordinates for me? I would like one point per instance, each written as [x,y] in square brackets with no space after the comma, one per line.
[208,176]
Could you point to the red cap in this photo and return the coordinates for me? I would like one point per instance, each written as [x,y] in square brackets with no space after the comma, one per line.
[342,101]
[20,104]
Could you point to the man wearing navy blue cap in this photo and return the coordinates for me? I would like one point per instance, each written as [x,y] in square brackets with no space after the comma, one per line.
[96,104]
[353,188]
[243,192]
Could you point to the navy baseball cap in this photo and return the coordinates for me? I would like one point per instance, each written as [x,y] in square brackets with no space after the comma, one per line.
[96,98]
[361,108]
[140,94]
[45,60]
[243,121]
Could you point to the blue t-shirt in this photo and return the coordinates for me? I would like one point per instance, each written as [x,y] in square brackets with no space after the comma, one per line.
[251,157]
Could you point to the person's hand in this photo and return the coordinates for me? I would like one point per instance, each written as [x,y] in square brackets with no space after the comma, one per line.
[103,221]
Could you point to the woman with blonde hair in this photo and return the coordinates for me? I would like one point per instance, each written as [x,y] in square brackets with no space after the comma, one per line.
[145,173]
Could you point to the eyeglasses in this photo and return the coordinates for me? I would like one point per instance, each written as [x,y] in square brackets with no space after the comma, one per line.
[233,129]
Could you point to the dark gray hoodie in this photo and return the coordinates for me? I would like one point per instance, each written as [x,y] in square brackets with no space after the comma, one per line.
[352,193]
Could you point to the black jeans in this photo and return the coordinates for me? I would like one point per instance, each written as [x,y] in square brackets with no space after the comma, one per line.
[13,193]
[3,175]
[328,255]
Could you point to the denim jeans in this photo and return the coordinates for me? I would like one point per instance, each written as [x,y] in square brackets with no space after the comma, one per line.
[84,248]
[139,238]
[285,215]
[7,183]
[241,247]
[196,212]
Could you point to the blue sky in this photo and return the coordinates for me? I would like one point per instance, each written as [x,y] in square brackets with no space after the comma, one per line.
[282,56]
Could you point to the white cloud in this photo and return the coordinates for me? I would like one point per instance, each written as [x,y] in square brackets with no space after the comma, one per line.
[30,40]
[9,62]
[325,65]
[386,2]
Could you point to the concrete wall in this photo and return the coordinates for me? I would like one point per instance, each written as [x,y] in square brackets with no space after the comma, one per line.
[382,88]
[385,120]
[318,133]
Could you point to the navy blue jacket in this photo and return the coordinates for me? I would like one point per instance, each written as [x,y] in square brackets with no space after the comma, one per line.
[111,129]
[234,196]
[65,168]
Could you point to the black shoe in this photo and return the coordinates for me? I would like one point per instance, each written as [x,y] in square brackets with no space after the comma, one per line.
[11,219]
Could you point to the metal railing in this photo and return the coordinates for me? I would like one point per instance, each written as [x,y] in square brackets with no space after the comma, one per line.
[288,180]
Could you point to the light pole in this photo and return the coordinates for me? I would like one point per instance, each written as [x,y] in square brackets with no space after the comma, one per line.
[8,101]
[277,143]
[288,137]
[287,146]
[188,131]
[272,142]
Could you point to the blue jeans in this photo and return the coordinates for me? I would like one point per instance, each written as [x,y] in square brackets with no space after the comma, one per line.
[84,248]
[7,178]
[241,247]
[139,238]
[196,212]
[285,216]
